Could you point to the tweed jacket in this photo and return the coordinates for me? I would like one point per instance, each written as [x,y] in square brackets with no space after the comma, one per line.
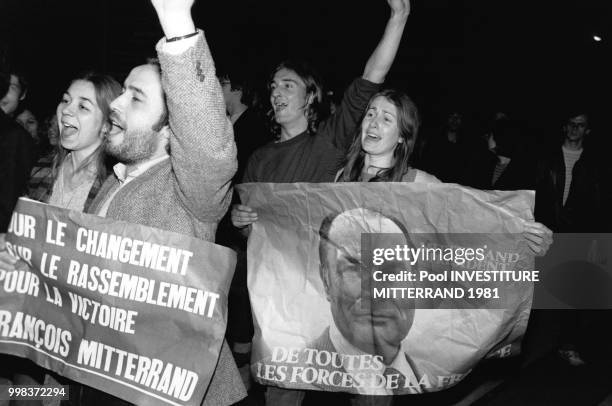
[324,343]
[190,192]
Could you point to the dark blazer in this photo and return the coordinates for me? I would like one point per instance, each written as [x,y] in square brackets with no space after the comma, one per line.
[17,154]
[583,211]
[518,174]
[250,133]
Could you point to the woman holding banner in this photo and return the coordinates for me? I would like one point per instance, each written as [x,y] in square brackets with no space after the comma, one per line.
[382,151]
[78,167]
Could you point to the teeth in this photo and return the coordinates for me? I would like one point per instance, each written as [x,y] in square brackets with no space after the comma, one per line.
[116,129]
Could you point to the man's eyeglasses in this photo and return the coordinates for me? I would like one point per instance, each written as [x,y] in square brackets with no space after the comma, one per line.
[572,124]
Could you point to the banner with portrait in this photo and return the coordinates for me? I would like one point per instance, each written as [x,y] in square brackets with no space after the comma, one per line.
[133,311]
[385,288]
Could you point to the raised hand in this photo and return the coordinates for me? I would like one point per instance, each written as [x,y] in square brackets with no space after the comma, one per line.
[174,16]
[400,7]
[169,7]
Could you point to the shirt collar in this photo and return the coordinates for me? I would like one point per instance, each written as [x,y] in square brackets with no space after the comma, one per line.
[121,170]
[400,363]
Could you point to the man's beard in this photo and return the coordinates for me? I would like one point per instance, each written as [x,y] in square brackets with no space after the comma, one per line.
[137,146]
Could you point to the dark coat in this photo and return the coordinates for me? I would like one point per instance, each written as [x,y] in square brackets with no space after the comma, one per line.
[518,174]
[583,211]
[17,155]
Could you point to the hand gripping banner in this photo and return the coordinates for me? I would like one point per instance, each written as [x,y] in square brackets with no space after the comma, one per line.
[131,310]
[384,288]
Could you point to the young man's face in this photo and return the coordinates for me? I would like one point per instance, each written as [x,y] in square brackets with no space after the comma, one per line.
[10,101]
[135,113]
[576,128]
[288,98]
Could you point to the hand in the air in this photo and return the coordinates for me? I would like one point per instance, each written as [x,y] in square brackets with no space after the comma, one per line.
[400,7]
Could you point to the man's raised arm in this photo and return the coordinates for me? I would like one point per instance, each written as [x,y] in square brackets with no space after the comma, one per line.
[202,148]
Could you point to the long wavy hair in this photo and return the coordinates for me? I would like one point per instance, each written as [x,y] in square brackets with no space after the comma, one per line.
[408,123]
[106,89]
[314,89]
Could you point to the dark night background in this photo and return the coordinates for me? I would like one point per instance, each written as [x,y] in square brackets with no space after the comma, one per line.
[531,59]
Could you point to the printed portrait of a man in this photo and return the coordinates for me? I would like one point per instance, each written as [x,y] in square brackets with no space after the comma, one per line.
[362,325]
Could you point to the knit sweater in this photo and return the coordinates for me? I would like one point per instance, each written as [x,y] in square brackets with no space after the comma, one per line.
[190,192]
[309,157]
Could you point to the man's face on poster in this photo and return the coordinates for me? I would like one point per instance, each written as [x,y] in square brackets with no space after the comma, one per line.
[372,325]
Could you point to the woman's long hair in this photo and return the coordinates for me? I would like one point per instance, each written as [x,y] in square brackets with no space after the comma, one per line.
[408,123]
[107,89]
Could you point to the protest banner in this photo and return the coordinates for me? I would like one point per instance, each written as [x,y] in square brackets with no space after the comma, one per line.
[338,306]
[131,310]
